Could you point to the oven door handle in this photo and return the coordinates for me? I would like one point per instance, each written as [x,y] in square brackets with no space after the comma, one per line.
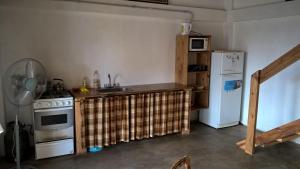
[55,109]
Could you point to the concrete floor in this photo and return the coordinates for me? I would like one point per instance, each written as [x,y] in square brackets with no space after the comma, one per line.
[208,148]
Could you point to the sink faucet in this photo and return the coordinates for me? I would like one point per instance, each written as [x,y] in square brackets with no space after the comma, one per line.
[115,82]
[109,83]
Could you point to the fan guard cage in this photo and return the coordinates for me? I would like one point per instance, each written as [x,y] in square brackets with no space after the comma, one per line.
[24,81]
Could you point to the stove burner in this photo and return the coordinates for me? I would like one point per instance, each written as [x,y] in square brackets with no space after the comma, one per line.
[55,94]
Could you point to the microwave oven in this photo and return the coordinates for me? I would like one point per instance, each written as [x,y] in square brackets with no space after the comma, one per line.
[197,44]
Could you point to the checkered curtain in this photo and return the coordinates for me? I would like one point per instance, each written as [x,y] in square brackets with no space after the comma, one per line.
[110,120]
[105,121]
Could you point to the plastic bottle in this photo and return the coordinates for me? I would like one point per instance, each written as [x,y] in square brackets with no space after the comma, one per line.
[96,80]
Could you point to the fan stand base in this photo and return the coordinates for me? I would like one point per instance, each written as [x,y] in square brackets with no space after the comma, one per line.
[17,142]
[25,167]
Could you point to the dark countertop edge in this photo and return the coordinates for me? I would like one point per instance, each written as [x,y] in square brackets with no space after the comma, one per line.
[134,89]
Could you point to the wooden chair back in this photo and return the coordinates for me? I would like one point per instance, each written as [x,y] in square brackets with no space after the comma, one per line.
[185,161]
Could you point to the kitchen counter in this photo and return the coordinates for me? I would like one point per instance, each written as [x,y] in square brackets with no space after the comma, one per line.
[139,112]
[149,88]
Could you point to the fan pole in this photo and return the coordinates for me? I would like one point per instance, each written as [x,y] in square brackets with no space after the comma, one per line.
[17,136]
[19,86]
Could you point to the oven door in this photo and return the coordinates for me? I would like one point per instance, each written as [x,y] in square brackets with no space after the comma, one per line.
[53,119]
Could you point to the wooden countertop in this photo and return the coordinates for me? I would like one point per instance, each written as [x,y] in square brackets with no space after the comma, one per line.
[149,88]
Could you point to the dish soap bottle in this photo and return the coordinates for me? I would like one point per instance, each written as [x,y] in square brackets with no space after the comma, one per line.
[96,80]
[84,88]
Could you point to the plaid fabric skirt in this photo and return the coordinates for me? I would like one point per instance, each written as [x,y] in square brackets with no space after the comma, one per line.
[109,120]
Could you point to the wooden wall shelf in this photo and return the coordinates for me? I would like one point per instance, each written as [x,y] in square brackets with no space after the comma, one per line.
[200,72]
[195,79]
[200,91]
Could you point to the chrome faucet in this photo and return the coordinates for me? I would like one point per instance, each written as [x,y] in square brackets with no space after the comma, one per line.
[115,81]
[109,84]
[109,79]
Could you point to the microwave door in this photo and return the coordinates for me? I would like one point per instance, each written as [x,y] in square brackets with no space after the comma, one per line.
[198,44]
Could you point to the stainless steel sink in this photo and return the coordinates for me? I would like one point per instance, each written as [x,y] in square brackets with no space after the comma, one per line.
[110,90]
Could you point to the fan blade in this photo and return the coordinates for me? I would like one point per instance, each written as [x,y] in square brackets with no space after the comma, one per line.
[30,84]
[29,70]
[24,97]
[24,81]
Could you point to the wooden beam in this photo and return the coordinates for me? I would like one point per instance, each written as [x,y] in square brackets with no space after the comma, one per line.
[242,144]
[282,140]
[278,65]
[252,116]
[78,128]
[284,133]
[269,144]
[289,138]
[181,64]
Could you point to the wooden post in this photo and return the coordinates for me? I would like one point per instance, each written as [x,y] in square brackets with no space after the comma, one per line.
[187,111]
[78,128]
[276,135]
[252,115]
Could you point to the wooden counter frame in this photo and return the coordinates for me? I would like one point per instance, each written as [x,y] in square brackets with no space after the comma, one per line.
[78,122]
[78,127]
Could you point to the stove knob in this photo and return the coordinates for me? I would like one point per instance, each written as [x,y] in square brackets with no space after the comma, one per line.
[41,105]
[46,105]
[66,103]
[57,103]
[60,103]
[37,105]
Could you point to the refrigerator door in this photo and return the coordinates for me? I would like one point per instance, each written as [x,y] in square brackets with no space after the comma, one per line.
[230,104]
[232,63]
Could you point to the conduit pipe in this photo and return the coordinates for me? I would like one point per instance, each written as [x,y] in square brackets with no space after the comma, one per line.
[133,6]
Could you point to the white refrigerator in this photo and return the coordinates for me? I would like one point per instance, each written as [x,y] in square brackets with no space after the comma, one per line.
[225,90]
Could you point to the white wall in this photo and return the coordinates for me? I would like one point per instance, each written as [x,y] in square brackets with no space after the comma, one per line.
[200,10]
[2,118]
[238,4]
[264,41]
[208,4]
[265,33]
[274,10]
[212,4]
[72,45]
[216,29]
[74,39]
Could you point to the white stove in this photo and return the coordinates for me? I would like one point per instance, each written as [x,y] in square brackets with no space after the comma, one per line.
[53,125]
[53,103]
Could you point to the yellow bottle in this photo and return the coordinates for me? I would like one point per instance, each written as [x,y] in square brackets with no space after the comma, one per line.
[84,88]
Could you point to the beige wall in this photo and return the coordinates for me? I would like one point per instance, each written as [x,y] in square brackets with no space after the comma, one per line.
[74,39]
[212,4]
[208,4]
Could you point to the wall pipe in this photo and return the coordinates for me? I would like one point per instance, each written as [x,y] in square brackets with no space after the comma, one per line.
[132,6]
